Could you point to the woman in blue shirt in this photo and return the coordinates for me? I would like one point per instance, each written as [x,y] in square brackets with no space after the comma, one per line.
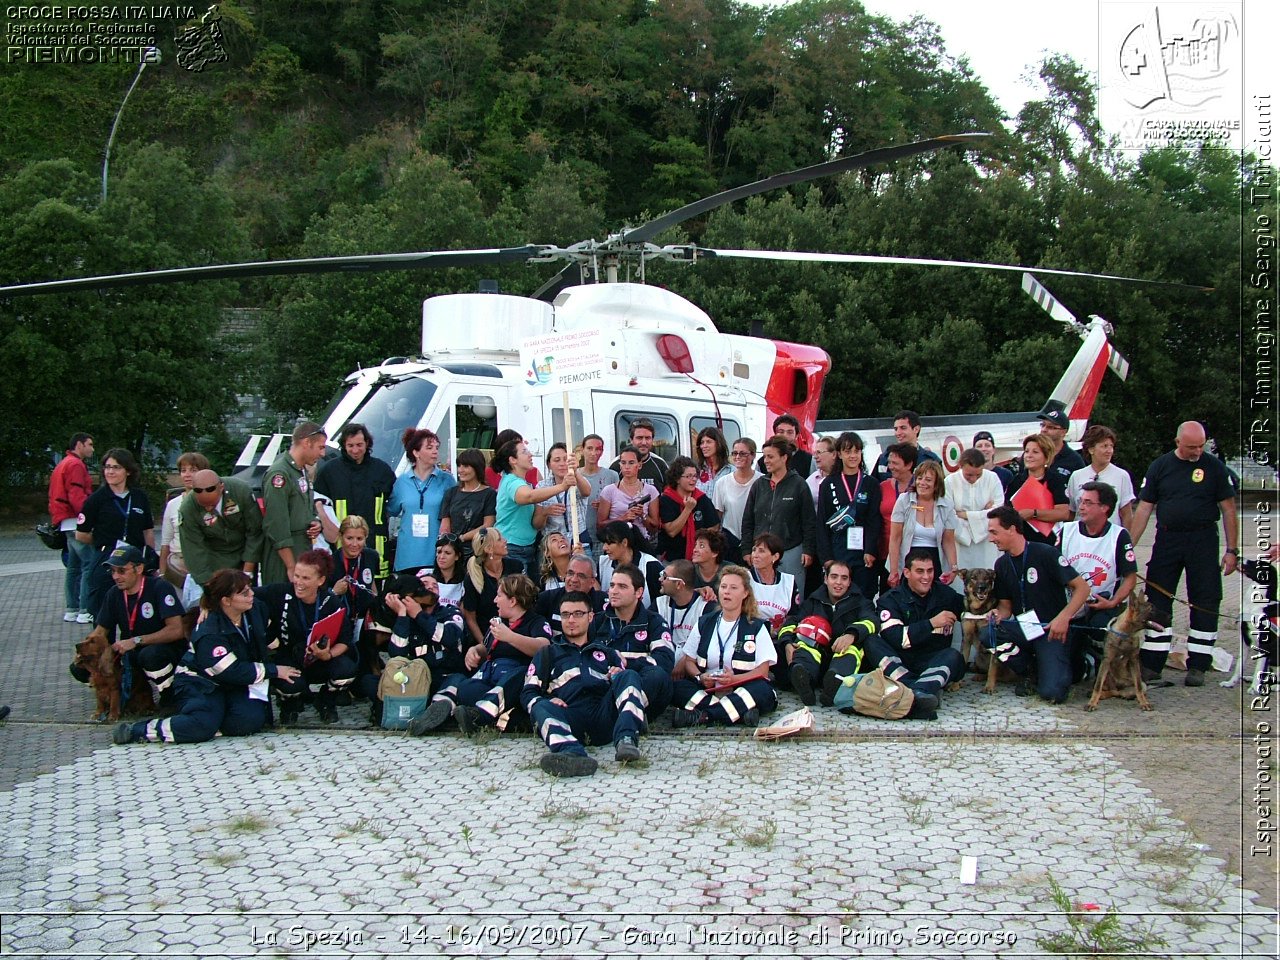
[416,500]
[518,519]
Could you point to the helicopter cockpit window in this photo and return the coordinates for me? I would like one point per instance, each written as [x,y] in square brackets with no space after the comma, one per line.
[665,432]
[391,409]
[729,428]
[477,421]
[575,422]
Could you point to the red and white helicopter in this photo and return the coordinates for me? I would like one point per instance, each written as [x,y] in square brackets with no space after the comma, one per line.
[664,357]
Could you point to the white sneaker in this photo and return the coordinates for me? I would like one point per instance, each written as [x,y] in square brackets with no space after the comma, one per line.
[70,616]
[84,617]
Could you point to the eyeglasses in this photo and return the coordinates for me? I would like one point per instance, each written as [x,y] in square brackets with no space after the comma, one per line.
[574,614]
[740,453]
[664,577]
[112,466]
[212,489]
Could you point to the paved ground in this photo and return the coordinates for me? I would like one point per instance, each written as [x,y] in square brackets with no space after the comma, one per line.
[346,842]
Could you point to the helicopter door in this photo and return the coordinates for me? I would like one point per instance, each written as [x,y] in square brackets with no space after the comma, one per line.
[469,418]
[553,426]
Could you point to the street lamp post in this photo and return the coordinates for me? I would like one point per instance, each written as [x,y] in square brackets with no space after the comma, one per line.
[149,55]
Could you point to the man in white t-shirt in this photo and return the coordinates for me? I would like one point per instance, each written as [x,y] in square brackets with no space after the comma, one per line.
[680,605]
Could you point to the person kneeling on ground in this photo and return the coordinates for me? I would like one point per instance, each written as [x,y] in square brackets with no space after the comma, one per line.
[639,635]
[221,684]
[913,646]
[1032,619]
[490,693]
[725,668]
[580,690]
[850,619]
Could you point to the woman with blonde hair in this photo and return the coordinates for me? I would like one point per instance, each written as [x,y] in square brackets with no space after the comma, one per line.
[487,566]
[923,517]
[724,665]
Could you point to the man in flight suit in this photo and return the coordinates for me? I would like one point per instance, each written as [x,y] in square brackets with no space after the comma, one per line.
[290,524]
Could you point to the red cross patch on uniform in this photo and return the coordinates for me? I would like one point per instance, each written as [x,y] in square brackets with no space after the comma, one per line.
[219,651]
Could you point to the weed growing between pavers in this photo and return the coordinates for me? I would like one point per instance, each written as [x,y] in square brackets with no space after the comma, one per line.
[1090,930]
[248,823]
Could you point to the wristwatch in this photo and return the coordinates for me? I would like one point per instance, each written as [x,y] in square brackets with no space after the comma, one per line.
[1233,551]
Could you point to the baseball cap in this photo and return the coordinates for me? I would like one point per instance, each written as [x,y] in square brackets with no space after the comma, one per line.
[1058,418]
[983,435]
[123,556]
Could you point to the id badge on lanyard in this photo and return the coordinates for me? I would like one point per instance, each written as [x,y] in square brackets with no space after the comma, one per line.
[854,539]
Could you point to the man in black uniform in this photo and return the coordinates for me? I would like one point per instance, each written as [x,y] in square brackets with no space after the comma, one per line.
[148,615]
[913,645]
[357,483]
[639,634]
[1191,490]
[1033,615]
[580,690]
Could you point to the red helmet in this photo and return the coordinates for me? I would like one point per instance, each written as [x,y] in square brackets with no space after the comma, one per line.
[817,629]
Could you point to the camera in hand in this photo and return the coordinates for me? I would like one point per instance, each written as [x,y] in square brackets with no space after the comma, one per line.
[322,643]
[641,501]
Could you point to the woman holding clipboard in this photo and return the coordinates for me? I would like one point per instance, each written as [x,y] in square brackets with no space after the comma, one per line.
[308,628]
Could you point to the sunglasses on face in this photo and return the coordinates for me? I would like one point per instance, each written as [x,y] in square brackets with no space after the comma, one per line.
[213,489]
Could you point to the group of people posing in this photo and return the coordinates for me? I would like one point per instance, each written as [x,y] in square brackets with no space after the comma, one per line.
[588,600]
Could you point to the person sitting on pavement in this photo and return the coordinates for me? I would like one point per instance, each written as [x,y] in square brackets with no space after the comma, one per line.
[326,666]
[147,614]
[578,690]
[553,560]
[485,570]
[579,578]
[806,655]
[724,669]
[221,686]
[774,591]
[913,645]
[450,571]
[639,634]
[708,560]
[489,690]
[680,605]
[623,544]
[1032,619]
[1101,551]
[422,628]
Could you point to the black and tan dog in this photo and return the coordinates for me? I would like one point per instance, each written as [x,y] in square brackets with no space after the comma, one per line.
[979,601]
[95,656]
[1121,672]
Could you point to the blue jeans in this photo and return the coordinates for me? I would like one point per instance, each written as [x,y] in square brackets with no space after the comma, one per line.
[1049,661]
[528,556]
[80,562]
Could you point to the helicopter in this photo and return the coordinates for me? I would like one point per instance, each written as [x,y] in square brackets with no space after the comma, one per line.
[662,357]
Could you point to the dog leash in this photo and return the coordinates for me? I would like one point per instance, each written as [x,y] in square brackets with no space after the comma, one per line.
[1176,599]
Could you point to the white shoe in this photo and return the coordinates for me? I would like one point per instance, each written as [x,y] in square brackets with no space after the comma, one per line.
[70,616]
[84,617]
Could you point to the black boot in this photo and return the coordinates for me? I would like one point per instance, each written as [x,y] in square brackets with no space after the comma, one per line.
[324,706]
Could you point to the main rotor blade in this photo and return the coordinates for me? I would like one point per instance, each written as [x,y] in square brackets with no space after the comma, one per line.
[648,231]
[803,257]
[271,268]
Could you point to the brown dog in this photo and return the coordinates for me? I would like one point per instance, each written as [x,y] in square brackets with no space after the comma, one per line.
[979,600]
[95,655]
[1121,673]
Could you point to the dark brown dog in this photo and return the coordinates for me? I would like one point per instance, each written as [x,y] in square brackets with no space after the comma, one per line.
[102,663]
[979,600]
[1121,673]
